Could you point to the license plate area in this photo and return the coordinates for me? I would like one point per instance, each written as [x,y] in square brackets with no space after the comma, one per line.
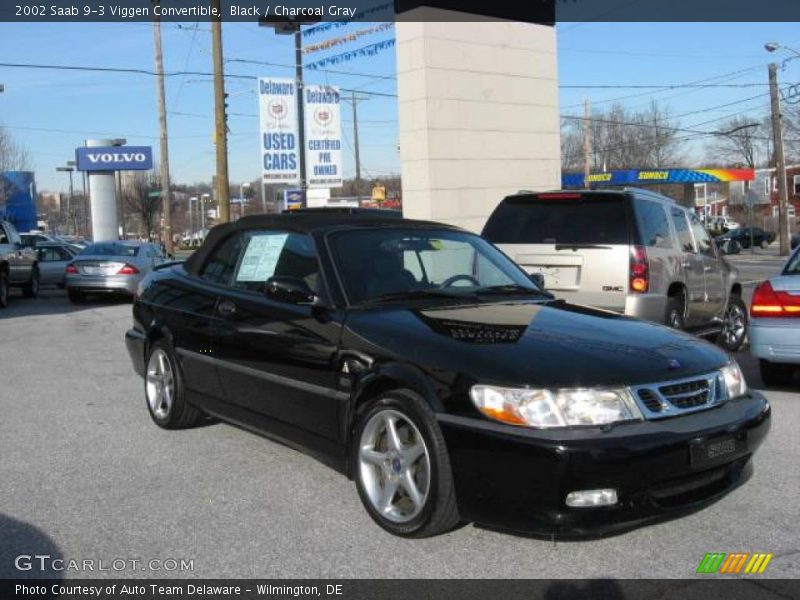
[557,277]
[717,450]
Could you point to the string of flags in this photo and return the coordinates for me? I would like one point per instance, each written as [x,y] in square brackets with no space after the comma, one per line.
[350,37]
[327,26]
[366,51]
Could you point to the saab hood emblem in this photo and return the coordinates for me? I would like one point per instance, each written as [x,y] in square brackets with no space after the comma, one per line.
[673,365]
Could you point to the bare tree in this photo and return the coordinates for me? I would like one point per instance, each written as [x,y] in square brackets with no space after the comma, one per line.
[623,139]
[741,144]
[13,157]
[137,199]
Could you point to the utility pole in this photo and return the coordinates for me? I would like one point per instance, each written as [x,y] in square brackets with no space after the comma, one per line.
[220,120]
[166,197]
[356,143]
[780,162]
[587,145]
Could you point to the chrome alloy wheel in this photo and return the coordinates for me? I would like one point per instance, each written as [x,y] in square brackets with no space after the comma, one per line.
[394,466]
[160,385]
[734,324]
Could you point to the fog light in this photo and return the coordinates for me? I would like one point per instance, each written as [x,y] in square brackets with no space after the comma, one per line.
[591,498]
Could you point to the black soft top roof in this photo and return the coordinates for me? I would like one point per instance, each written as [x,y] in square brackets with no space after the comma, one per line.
[305,221]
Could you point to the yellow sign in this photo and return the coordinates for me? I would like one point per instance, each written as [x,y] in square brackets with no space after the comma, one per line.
[379,193]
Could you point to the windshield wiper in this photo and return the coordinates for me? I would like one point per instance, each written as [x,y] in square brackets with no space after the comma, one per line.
[577,246]
[512,288]
[419,295]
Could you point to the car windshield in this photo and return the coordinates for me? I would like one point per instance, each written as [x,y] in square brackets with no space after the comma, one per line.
[386,264]
[110,249]
[793,266]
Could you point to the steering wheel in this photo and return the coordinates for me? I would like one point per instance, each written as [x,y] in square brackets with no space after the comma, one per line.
[451,280]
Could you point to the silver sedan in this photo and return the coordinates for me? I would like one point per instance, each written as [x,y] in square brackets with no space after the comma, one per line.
[111,268]
[775,324]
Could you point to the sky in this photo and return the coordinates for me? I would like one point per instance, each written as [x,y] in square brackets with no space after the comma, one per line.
[52,112]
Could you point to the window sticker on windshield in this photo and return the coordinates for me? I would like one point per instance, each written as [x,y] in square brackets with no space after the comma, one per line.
[261,257]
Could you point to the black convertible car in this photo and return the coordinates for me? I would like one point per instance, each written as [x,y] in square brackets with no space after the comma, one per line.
[419,360]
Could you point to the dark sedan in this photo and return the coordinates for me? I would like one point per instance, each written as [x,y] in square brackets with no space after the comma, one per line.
[420,361]
[748,236]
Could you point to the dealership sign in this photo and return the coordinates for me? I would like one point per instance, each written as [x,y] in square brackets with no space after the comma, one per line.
[323,126]
[114,158]
[280,162]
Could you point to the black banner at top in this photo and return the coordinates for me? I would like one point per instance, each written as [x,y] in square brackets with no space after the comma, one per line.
[312,11]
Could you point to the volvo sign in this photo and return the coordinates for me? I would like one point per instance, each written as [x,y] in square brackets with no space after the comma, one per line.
[115,158]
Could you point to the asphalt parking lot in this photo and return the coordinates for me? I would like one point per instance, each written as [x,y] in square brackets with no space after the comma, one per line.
[86,475]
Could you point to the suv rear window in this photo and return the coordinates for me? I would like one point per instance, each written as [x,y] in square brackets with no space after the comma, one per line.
[584,220]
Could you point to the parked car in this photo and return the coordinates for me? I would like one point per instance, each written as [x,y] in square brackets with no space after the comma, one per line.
[111,268]
[53,259]
[749,235]
[633,252]
[728,246]
[721,224]
[31,238]
[420,361]
[775,324]
[18,264]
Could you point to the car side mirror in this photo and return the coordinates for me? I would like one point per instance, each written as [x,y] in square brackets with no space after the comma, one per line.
[291,290]
[537,279]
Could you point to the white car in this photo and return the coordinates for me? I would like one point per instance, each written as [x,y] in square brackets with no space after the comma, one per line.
[775,324]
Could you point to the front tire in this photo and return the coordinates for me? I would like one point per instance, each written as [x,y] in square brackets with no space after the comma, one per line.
[764,244]
[402,468]
[776,374]
[734,325]
[164,390]
[31,289]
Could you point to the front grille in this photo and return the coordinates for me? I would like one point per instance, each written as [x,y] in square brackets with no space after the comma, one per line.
[671,398]
[689,394]
[650,400]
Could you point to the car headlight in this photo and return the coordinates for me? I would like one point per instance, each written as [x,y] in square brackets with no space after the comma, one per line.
[555,408]
[732,377]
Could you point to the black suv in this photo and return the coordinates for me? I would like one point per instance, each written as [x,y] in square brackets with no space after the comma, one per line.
[420,361]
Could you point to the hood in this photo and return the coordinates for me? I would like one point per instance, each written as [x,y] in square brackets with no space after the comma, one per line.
[553,344]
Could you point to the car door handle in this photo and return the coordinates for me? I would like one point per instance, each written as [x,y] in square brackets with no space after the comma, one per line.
[226,308]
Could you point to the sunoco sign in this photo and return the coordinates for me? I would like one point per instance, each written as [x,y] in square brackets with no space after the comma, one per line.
[114,158]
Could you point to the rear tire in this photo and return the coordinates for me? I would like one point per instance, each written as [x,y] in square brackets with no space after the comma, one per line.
[776,374]
[31,289]
[164,390]
[674,317]
[734,325]
[764,244]
[404,480]
[76,297]
[3,289]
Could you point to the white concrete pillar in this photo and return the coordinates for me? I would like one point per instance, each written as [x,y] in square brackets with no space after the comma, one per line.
[478,116]
[103,194]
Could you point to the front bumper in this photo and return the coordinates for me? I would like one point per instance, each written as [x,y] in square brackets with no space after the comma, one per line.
[120,284]
[518,479]
[775,340]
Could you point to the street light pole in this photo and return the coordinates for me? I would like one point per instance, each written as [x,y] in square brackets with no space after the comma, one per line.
[166,198]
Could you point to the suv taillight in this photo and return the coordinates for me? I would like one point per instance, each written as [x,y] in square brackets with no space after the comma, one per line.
[128,270]
[639,270]
[71,269]
[769,303]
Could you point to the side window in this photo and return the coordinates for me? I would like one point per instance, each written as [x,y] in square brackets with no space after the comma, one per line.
[682,229]
[220,266]
[704,243]
[653,224]
[63,254]
[48,255]
[277,254]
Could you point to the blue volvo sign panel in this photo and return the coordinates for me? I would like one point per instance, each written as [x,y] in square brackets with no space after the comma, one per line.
[114,158]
